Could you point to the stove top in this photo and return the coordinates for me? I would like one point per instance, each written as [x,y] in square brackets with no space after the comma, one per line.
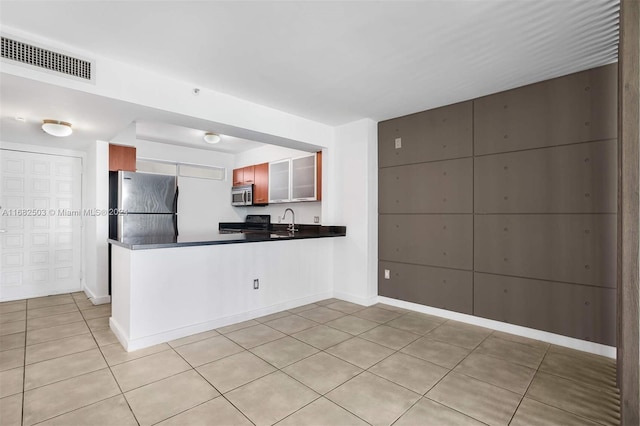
[257,221]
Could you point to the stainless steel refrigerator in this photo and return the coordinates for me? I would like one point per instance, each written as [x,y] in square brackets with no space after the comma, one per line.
[146,205]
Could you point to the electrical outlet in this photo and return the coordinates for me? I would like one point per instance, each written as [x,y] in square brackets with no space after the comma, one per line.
[398,143]
[316,219]
[387,274]
[256,284]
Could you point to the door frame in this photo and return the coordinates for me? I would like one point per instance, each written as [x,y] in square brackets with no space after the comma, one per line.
[628,327]
[60,152]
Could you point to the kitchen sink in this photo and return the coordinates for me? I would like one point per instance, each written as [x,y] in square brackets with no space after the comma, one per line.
[283,235]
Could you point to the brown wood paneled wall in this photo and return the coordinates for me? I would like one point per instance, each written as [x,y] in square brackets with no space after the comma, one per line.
[505,206]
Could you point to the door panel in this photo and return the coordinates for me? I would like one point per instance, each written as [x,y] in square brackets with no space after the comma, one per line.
[40,216]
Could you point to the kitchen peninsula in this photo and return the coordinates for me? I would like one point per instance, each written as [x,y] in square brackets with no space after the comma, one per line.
[167,288]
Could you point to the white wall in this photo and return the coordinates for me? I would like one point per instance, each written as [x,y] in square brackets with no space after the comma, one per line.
[206,287]
[200,196]
[353,180]
[202,203]
[352,200]
[265,154]
[96,228]
[304,211]
[227,114]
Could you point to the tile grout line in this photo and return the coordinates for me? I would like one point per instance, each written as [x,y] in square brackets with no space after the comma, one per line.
[529,385]
[24,366]
[24,377]
[323,395]
[281,369]
[108,366]
[220,394]
[451,370]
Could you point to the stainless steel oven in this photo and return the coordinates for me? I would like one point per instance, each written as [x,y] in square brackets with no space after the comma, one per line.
[242,195]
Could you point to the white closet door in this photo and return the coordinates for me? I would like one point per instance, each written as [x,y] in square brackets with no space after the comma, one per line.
[40,224]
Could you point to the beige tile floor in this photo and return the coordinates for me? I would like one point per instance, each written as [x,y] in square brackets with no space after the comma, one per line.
[328,363]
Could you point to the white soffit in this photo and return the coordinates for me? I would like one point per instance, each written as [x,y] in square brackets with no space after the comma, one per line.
[335,62]
[193,138]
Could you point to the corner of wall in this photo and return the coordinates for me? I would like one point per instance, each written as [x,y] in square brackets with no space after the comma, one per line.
[353,202]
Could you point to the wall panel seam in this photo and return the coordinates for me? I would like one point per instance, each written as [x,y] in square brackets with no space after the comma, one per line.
[425,264]
[543,279]
[425,162]
[545,147]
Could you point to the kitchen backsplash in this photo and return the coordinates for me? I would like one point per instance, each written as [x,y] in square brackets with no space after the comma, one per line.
[305,212]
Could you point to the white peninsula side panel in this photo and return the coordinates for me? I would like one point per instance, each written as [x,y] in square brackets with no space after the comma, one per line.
[163,294]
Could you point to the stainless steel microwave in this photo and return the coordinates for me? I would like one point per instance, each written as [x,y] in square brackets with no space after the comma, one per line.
[242,195]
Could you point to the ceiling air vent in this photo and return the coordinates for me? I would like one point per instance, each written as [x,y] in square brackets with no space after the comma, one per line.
[43,58]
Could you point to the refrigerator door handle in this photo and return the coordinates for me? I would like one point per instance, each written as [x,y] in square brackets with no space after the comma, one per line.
[175,200]
[120,235]
[175,223]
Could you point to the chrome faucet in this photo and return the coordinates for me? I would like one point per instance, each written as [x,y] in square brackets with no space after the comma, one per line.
[292,226]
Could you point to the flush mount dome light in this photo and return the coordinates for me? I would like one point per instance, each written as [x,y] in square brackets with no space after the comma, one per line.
[57,128]
[211,138]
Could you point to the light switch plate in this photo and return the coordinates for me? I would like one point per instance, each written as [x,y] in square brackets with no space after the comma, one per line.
[398,143]
[387,274]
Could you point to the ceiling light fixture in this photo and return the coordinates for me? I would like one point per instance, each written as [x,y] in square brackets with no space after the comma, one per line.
[212,138]
[57,128]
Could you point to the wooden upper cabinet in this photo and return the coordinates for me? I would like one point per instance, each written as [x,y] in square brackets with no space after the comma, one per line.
[278,181]
[122,158]
[261,184]
[244,176]
[238,177]
[319,175]
[249,175]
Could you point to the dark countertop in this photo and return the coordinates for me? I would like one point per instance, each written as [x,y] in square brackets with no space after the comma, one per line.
[232,235]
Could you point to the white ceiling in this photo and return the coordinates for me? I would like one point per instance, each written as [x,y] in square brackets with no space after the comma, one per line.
[333,62]
[97,118]
[185,136]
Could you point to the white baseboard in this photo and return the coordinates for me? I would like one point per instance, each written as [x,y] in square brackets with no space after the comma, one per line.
[556,339]
[96,300]
[119,333]
[100,300]
[167,336]
[39,293]
[365,301]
